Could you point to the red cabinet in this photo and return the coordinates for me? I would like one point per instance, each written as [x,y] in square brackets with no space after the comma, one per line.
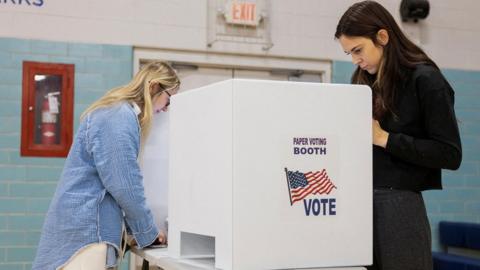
[47,109]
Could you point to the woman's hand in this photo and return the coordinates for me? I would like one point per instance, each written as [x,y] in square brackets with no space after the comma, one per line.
[380,136]
[162,238]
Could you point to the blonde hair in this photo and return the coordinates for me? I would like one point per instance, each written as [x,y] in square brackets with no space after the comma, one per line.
[138,90]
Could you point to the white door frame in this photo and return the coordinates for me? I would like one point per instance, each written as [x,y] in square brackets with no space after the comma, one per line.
[235,61]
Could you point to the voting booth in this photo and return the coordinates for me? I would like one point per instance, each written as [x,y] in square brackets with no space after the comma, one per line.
[271,175]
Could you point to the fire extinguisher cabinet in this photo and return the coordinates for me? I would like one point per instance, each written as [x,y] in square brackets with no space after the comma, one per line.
[47,109]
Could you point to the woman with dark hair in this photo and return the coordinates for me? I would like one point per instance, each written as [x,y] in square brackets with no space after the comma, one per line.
[415,132]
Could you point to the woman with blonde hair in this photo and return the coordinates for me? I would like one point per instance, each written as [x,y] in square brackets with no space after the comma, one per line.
[100,194]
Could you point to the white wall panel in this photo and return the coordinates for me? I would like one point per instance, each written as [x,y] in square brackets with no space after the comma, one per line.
[302,28]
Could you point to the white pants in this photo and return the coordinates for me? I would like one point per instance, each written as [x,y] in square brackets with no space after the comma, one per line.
[93,257]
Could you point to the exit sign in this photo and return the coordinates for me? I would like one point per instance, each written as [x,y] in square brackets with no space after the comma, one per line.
[242,13]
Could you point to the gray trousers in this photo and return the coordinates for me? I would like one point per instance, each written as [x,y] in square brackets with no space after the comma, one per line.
[401,231]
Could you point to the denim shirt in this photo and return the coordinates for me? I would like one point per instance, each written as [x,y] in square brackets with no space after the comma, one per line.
[101,187]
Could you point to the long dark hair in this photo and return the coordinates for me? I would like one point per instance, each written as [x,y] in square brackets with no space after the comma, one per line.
[365,19]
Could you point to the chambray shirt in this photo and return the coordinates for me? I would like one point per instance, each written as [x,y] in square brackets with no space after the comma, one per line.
[101,187]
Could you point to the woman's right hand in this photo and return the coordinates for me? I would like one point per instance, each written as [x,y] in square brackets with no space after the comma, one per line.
[162,238]
[380,136]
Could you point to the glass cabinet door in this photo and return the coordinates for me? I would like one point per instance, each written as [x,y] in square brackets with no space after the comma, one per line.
[48,90]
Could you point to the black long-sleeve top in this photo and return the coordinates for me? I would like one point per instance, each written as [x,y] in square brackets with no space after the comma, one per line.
[424,136]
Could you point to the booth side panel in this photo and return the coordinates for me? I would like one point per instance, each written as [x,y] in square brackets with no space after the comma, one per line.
[201,172]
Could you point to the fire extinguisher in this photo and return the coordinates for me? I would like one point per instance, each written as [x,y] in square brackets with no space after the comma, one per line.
[49,119]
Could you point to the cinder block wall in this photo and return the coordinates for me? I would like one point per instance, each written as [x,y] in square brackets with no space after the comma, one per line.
[27,183]
[460,198]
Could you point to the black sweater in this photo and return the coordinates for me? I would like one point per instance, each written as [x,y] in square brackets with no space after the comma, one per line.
[424,136]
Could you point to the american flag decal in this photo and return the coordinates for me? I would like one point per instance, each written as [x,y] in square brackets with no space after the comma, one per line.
[300,185]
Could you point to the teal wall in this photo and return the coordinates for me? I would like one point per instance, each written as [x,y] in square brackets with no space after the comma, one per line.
[27,184]
[460,198]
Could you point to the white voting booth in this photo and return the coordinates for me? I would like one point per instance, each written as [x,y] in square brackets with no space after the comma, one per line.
[269,175]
